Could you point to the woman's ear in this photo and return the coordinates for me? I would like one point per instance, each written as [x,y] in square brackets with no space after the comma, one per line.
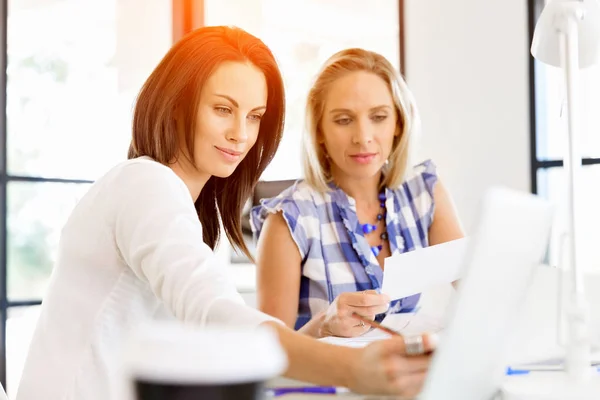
[179,123]
[399,123]
[320,138]
[178,113]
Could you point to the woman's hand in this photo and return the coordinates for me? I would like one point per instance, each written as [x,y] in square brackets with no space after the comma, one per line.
[383,367]
[338,319]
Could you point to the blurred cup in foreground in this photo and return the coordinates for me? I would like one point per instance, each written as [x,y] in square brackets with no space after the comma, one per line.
[168,361]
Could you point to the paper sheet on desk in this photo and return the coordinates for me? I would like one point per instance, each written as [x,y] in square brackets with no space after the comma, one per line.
[415,271]
[406,323]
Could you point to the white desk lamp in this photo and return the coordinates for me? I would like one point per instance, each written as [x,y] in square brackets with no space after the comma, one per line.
[567,35]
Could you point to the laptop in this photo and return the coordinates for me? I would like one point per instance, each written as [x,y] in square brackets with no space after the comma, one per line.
[511,239]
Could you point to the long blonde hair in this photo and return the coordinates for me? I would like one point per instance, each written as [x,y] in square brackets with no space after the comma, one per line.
[314,160]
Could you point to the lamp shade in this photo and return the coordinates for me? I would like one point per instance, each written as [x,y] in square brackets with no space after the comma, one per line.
[545,46]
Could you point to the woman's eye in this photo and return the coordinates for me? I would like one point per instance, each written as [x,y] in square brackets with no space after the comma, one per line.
[255,117]
[379,118]
[343,121]
[223,110]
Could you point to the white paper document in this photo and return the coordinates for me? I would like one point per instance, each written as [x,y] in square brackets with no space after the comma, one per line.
[407,324]
[416,271]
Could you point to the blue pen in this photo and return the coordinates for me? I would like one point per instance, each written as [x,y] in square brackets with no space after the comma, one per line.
[274,392]
[511,371]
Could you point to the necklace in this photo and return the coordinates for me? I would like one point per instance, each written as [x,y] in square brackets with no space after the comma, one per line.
[368,228]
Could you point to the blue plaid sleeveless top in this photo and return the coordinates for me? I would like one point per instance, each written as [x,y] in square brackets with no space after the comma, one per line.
[336,256]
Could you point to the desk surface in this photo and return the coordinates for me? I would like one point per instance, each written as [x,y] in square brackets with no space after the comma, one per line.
[284,382]
[593,386]
[328,397]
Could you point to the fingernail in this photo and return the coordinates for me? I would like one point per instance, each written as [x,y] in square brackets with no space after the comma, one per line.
[434,339]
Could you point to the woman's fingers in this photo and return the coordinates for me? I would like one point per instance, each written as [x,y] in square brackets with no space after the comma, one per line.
[399,344]
[408,386]
[364,299]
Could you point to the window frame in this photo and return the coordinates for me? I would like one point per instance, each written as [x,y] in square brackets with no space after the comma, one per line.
[535,8]
[187,14]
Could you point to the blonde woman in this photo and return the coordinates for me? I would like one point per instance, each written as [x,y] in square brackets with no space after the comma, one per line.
[322,242]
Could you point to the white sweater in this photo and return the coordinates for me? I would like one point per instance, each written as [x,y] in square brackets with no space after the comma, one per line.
[131,250]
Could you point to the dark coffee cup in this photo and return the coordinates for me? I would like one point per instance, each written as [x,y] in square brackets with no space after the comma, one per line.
[152,390]
[171,362]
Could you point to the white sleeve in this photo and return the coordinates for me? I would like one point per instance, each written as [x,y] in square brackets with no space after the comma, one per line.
[159,236]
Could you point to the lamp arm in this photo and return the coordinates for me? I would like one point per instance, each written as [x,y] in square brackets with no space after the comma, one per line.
[578,348]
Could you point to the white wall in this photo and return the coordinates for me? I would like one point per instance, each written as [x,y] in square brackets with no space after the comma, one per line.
[467,64]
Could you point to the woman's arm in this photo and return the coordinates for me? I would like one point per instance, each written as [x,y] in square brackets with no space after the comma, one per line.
[278,276]
[380,368]
[278,268]
[446,225]
[159,237]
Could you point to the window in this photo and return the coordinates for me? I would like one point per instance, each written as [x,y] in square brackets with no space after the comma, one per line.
[73,71]
[549,145]
[302,34]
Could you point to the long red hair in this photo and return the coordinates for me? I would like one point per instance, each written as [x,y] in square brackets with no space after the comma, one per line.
[174,86]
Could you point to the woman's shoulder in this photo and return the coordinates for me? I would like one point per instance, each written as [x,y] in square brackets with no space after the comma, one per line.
[141,166]
[141,183]
[298,202]
[142,172]
[423,169]
[419,182]
[300,194]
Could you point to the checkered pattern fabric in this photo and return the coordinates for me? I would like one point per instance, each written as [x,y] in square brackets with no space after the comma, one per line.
[336,256]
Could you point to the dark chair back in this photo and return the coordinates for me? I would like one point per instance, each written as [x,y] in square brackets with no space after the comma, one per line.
[264,190]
